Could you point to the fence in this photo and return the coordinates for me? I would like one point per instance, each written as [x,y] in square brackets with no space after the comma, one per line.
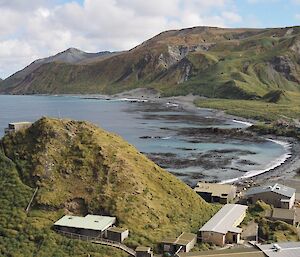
[98,240]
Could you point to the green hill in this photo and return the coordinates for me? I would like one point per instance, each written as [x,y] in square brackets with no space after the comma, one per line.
[207,61]
[82,169]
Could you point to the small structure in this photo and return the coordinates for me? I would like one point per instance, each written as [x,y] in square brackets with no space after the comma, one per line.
[142,251]
[16,126]
[286,249]
[117,234]
[286,215]
[216,193]
[184,243]
[222,228]
[90,225]
[237,252]
[278,195]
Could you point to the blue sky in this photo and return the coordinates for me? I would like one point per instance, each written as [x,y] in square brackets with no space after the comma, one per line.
[264,13]
[38,28]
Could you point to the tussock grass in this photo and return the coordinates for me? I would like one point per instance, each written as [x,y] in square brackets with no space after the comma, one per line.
[82,169]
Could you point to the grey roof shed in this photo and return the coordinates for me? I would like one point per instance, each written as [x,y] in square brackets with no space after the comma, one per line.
[225,219]
[276,188]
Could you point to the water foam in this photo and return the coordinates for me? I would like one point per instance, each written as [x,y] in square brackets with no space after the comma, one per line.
[272,165]
[248,124]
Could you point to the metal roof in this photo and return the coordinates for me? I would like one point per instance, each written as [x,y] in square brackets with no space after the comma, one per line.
[214,189]
[238,252]
[92,222]
[20,123]
[183,239]
[225,219]
[287,249]
[117,230]
[279,213]
[276,188]
[143,249]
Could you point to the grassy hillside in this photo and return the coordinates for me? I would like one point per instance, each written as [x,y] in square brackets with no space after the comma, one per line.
[207,61]
[82,169]
[287,109]
[25,235]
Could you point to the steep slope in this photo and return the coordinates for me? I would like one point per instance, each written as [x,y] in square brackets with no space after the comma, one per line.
[209,61]
[70,56]
[23,234]
[82,169]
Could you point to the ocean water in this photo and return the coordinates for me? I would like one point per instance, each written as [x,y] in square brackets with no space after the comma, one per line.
[153,129]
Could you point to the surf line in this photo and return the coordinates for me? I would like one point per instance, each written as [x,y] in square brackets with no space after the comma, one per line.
[248,124]
[274,164]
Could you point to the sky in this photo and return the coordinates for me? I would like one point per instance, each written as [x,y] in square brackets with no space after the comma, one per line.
[32,29]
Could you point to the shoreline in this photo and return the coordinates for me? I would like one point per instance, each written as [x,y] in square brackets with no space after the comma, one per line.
[284,169]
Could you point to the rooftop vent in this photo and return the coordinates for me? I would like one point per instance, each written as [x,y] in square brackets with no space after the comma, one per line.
[277,187]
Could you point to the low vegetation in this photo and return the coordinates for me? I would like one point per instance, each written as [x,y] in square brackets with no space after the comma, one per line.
[256,109]
[268,230]
[82,169]
[246,64]
[23,235]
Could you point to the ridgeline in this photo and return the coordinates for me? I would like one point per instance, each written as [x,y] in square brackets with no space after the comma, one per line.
[207,61]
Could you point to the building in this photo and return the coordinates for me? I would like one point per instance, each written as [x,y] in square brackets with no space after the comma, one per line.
[287,249]
[16,126]
[216,193]
[184,243]
[117,234]
[286,215]
[223,227]
[278,195]
[90,225]
[142,251]
[237,252]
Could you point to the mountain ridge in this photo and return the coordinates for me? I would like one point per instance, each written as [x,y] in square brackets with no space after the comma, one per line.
[207,61]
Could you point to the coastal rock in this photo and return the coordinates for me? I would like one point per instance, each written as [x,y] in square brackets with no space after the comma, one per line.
[285,66]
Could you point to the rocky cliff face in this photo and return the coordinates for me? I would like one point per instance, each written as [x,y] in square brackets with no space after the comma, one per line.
[200,60]
[285,66]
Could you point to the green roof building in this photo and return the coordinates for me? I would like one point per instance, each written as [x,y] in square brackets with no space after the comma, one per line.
[90,225]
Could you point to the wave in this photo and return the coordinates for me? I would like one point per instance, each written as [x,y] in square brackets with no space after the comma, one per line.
[172,104]
[132,100]
[274,164]
[166,138]
[248,124]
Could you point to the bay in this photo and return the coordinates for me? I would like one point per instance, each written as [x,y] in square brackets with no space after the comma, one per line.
[156,130]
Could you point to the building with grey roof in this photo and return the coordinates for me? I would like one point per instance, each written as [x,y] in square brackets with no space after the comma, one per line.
[90,225]
[184,243]
[117,234]
[278,195]
[287,215]
[16,126]
[216,193]
[223,227]
[286,249]
[142,251]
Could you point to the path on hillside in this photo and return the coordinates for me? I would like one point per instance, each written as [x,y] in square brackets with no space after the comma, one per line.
[97,240]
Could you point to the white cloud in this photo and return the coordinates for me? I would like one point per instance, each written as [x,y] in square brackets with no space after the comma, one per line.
[31,29]
[232,17]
